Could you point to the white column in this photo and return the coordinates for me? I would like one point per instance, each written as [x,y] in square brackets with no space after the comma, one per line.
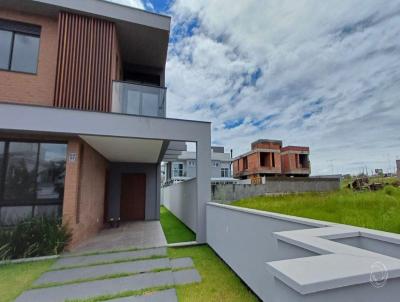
[203,183]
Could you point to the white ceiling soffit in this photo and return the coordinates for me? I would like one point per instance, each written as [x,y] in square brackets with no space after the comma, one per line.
[131,150]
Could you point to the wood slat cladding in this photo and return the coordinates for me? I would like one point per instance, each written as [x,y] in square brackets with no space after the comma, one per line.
[85,66]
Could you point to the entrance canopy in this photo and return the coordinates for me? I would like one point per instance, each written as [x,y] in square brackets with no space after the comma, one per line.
[117,149]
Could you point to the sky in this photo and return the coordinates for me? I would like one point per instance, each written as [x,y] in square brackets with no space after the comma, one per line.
[324,74]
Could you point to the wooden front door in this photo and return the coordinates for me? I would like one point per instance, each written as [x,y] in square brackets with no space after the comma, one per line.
[133,197]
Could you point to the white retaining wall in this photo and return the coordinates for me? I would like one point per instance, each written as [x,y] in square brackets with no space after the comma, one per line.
[180,199]
[274,255]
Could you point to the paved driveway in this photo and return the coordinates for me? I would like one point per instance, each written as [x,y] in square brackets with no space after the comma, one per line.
[138,234]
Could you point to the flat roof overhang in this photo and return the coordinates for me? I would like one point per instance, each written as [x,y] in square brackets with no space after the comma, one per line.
[143,35]
[118,137]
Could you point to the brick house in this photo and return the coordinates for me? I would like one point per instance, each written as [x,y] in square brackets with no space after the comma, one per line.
[269,158]
[83,126]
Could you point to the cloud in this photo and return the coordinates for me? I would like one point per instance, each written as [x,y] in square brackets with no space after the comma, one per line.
[319,73]
[133,3]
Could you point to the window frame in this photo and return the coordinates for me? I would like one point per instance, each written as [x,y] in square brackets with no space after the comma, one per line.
[178,169]
[216,163]
[15,27]
[225,173]
[35,201]
[191,163]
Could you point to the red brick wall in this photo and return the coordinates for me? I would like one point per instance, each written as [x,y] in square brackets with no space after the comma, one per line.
[235,167]
[33,88]
[265,145]
[295,148]
[253,161]
[288,162]
[254,167]
[84,195]
[291,164]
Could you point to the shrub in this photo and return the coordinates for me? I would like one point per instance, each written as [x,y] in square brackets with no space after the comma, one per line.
[33,237]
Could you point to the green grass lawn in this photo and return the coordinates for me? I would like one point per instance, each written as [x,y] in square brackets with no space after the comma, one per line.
[219,282]
[376,210]
[174,230]
[16,278]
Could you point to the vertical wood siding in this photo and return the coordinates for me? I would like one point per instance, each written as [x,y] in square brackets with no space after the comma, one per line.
[86,55]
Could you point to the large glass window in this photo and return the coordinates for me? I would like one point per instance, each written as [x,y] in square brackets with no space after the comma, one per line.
[25,53]
[2,144]
[5,48]
[31,179]
[19,46]
[21,171]
[51,171]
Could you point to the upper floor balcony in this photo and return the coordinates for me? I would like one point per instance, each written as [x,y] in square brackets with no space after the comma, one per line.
[138,99]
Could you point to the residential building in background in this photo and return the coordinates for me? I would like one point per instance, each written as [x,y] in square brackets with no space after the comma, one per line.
[268,158]
[183,167]
[83,129]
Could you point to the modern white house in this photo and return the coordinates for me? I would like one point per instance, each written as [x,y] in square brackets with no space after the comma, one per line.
[182,167]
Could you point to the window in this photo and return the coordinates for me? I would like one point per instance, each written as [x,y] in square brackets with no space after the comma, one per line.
[215,164]
[31,179]
[1,163]
[303,160]
[264,162]
[20,172]
[225,172]
[5,48]
[192,163]
[51,171]
[19,47]
[245,163]
[177,170]
[273,159]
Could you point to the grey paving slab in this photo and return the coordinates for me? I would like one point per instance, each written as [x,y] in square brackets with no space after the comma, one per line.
[93,259]
[168,295]
[97,288]
[138,266]
[138,234]
[181,263]
[186,276]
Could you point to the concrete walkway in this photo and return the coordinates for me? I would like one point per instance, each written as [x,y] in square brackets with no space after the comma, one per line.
[111,278]
[137,234]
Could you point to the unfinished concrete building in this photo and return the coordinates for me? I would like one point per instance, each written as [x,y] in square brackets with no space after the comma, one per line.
[269,158]
[295,160]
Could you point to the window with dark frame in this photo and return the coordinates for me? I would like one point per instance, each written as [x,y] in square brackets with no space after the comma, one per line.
[31,179]
[19,47]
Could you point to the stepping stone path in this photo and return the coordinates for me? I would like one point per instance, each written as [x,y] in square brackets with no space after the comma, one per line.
[89,276]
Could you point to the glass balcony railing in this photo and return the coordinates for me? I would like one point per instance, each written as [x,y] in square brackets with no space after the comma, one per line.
[136,99]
